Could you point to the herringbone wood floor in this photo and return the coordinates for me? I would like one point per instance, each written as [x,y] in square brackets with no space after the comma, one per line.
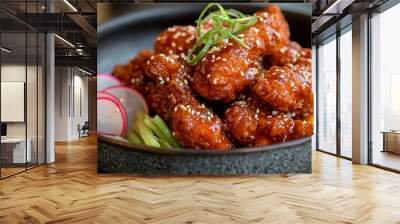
[70,191]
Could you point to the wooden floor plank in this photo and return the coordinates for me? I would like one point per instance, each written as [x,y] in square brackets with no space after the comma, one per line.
[71,191]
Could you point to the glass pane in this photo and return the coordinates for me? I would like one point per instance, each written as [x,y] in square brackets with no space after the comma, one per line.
[346,93]
[41,98]
[31,97]
[386,89]
[327,96]
[13,86]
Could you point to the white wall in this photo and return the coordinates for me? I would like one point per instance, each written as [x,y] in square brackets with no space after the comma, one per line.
[15,72]
[33,127]
[71,93]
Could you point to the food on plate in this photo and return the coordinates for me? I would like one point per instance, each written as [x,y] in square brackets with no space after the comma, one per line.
[232,80]
[250,122]
[132,74]
[176,40]
[131,100]
[192,123]
[226,70]
[151,131]
[284,88]
[113,115]
[292,53]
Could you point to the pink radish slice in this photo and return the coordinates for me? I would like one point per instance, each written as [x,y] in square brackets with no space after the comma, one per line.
[132,101]
[106,80]
[112,119]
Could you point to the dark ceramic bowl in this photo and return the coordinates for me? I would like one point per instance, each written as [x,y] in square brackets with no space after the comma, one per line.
[121,38]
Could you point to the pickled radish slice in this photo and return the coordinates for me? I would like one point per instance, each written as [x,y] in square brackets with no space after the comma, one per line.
[112,119]
[105,81]
[131,100]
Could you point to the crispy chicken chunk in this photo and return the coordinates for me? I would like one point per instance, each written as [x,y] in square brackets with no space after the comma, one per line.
[193,124]
[157,100]
[240,121]
[226,70]
[251,123]
[292,53]
[132,74]
[282,24]
[285,88]
[175,40]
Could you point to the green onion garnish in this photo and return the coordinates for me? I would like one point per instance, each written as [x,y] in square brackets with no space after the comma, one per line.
[226,24]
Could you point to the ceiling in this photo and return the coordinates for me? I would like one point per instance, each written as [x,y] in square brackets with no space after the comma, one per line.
[72,20]
[332,15]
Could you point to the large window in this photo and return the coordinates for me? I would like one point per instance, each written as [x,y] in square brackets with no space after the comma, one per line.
[346,92]
[327,96]
[385,89]
[22,90]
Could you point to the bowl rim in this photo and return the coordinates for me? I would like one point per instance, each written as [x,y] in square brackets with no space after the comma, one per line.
[123,21]
[173,151]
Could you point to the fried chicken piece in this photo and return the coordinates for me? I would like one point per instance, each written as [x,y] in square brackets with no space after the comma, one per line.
[132,74]
[225,71]
[285,88]
[175,40]
[157,101]
[292,53]
[282,24]
[250,123]
[193,124]
[308,107]
[240,121]
[302,128]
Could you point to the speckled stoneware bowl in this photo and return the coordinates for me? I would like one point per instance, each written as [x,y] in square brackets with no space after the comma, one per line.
[121,38]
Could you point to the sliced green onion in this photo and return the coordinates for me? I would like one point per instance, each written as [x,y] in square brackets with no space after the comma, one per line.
[149,123]
[151,132]
[164,144]
[163,127]
[226,24]
[146,134]
[133,137]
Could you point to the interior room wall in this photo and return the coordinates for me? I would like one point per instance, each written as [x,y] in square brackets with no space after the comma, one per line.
[61,103]
[71,87]
[16,72]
